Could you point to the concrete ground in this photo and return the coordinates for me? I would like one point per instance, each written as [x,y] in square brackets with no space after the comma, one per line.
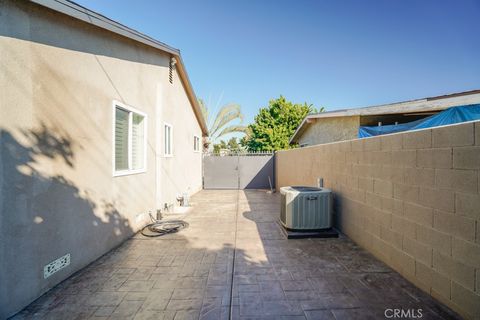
[188,275]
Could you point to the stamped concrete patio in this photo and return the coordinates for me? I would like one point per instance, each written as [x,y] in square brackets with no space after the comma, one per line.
[188,275]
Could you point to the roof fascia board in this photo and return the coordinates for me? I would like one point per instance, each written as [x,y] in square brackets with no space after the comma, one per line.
[78,12]
[419,105]
[299,130]
[191,95]
[81,13]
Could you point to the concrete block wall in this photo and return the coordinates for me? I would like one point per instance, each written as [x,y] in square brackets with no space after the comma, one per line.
[412,199]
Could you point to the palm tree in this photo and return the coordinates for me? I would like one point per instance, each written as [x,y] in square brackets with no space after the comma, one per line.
[220,126]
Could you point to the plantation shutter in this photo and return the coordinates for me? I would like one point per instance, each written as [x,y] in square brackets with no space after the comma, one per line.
[121,139]
[138,146]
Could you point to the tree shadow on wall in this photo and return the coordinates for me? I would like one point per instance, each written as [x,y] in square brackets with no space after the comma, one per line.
[44,216]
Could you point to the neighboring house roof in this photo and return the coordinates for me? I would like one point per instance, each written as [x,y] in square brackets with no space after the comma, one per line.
[411,106]
[77,11]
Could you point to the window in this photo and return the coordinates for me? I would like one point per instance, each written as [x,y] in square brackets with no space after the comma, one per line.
[196,143]
[168,133]
[129,135]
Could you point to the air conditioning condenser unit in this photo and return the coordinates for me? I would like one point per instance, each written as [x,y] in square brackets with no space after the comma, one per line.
[306,208]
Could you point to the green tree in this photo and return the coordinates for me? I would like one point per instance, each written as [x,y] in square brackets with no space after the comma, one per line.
[244,140]
[219,146]
[233,145]
[275,124]
[221,124]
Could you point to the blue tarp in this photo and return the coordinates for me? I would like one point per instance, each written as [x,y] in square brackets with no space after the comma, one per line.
[448,116]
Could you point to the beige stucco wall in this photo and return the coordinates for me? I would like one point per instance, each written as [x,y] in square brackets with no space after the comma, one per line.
[325,130]
[58,78]
[412,199]
[183,171]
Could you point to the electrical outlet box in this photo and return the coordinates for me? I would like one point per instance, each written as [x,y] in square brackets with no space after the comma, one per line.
[56,265]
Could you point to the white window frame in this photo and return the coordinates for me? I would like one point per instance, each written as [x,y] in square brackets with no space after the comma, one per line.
[198,145]
[131,110]
[168,155]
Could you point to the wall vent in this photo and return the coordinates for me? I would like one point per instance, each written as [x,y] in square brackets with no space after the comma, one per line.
[171,66]
[56,265]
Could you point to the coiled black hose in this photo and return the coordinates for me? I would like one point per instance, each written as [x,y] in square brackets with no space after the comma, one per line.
[159,228]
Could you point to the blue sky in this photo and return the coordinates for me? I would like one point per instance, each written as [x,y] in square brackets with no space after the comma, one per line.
[335,54]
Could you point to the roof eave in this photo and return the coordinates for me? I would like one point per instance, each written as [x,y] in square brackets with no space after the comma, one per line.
[299,130]
[437,103]
[79,12]
[191,95]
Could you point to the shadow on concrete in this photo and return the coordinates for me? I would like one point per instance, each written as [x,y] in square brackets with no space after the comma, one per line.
[328,278]
[44,217]
[186,275]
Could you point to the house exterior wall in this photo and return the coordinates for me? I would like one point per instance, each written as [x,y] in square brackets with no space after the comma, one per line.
[183,171]
[58,79]
[330,130]
[412,199]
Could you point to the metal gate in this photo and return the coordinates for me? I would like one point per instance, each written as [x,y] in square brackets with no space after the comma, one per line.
[238,170]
